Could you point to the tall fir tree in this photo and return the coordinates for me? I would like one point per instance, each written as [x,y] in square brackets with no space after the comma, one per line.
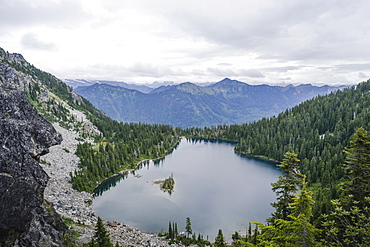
[170,231]
[357,168]
[175,231]
[188,229]
[101,237]
[220,241]
[348,224]
[298,231]
[286,186]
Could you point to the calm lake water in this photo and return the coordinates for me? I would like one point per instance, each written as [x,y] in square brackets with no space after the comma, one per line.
[214,186]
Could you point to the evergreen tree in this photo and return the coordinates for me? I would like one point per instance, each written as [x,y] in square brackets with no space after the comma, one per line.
[175,231]
[357,167]
[188,226]
[101,237]
[298,231]
[286,186]
[170,231]
[348,227]
[220,241]
[349,222]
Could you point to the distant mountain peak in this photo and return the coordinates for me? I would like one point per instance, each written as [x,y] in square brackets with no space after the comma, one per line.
[227,82]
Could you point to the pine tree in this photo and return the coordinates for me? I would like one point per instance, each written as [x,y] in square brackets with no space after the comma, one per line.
[349,222]
[175,231]
[220,241]
[298,231]
[188,226]
[101,237]
[286,186]
[348,227]
[170,231]
[357,167]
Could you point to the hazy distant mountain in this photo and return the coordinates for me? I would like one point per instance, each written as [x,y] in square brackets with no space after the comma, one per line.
[82,82]
[187,104]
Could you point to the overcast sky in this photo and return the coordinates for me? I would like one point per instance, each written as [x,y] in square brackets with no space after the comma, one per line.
[142,41]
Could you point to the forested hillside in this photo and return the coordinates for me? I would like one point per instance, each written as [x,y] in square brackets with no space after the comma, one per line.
[117,145]
[317,130]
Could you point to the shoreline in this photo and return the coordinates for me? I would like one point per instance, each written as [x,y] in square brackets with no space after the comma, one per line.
[77,206]
[127,171]
[258,157]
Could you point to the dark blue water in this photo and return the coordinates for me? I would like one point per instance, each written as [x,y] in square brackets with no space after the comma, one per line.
[214,186]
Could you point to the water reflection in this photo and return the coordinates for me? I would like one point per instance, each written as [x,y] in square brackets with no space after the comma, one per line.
[215,187]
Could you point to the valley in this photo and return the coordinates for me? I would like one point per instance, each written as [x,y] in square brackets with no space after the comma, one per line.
[318,142]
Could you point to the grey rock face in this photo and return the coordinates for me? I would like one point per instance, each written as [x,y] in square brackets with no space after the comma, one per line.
[24,137]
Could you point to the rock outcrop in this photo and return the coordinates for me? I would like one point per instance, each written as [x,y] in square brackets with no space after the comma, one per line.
[25,219]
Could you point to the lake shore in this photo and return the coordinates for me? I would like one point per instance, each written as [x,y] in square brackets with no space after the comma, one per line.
[125,172]
[69,203]
[259,157]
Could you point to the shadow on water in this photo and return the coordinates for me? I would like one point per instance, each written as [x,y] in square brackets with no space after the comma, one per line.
[199,140]
[105,186]
[268,163]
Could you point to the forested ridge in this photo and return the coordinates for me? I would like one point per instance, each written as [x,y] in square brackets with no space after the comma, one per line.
[317,130]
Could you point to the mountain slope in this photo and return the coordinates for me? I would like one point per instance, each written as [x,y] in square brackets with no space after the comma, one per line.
[187,104]
[83,127]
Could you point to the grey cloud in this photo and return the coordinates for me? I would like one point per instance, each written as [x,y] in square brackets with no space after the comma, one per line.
[362,75]
[144,69]
[224,64]
[352,67]
[31,41]
[285,30]
[25,13]
[282,68]
[148,70]
[221,72]
[198,72]
[253,73]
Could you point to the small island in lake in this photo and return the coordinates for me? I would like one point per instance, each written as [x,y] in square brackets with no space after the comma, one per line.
[167,185]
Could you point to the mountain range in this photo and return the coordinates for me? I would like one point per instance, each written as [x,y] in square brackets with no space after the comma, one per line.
[190,105]
[37,201]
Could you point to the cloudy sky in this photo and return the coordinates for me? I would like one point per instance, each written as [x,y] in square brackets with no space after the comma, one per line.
[141,41]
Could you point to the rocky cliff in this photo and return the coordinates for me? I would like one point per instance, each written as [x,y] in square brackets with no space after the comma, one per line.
[26,220]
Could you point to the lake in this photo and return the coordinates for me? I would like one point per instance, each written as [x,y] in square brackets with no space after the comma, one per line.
[214,186]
